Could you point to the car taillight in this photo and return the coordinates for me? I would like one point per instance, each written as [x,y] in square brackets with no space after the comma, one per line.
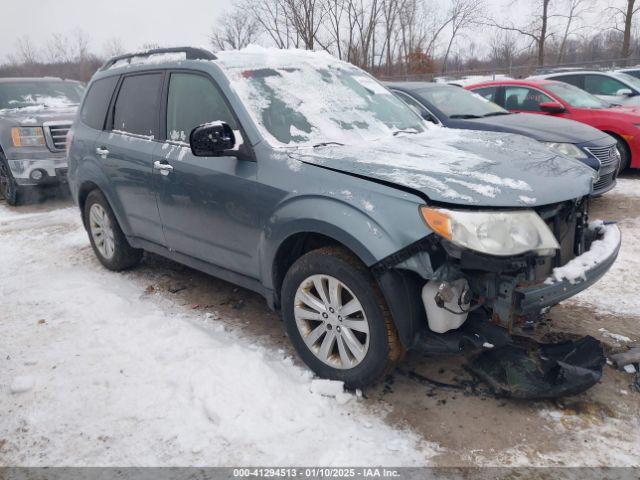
[69,140]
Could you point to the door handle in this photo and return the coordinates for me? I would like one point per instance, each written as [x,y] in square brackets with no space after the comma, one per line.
[165,168]
[103,152]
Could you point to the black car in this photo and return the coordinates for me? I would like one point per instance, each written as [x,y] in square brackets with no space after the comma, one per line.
[455,107]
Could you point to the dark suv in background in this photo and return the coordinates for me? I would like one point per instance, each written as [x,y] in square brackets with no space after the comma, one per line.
[301,177]
[35,116]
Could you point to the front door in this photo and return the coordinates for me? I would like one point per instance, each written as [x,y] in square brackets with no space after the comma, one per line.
[207,204]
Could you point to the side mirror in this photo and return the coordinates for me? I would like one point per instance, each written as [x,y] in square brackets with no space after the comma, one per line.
[625,92]
[211,139]
[552,107]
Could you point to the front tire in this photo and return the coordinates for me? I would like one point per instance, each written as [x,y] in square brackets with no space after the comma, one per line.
[337,319]
[9,188]
[107,239]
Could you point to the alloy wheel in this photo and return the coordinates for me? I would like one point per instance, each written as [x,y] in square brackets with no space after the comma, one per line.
[331,321]
[101,231]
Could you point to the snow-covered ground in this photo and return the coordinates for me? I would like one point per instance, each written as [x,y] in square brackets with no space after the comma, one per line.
[96,371]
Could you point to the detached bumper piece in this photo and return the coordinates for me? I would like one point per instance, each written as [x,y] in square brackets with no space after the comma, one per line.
[542,372]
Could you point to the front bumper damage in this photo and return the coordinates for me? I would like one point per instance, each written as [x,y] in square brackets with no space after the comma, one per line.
[508,293]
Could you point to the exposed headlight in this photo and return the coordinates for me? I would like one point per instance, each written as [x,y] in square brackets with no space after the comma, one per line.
[27,136]
[492,232]
[568,149]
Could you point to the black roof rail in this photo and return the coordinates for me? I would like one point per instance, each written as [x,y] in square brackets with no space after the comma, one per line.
[191,53]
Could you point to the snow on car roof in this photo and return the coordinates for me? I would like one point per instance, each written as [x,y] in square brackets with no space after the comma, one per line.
[255,56]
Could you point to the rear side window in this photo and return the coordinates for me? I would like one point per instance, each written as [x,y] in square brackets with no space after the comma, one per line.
[603,85]
[136,109]
[193,100]
[96,104]
[488,93]
[575,80]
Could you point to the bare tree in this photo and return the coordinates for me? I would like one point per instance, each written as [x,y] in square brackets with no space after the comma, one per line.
[625,15]
[462,14]
[26,51]
[113,47]
[537,30]
[274,19]
[235,32]
[576,10]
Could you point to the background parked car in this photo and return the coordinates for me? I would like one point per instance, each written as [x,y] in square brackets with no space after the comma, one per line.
[633,71]
[558,99]
[455,107]
[616,88]
[35,116]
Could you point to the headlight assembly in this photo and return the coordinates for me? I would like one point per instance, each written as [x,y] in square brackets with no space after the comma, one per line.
[568,149]
[492,232]
[27,136]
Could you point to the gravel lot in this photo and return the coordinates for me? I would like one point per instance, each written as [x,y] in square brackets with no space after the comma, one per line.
[406,420]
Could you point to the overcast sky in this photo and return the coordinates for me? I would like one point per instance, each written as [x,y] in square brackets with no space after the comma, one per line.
[136,22]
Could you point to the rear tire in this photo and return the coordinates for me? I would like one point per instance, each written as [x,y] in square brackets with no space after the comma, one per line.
[339,339]
[107,239]
[9,188]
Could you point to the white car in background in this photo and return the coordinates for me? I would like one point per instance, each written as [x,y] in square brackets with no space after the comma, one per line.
[617,88]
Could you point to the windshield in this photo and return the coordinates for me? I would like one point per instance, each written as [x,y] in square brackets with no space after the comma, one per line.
[39,94]
[575,96]
[311,103]
[625,77]
[456,102]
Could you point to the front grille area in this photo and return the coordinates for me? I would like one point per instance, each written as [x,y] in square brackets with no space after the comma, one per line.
[609,164]
[56,135]
[604,181]
[608,156]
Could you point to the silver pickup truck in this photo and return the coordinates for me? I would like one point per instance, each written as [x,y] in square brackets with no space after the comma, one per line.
[35,117]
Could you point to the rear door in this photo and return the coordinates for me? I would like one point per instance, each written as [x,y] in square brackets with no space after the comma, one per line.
[208,205]
[127,151]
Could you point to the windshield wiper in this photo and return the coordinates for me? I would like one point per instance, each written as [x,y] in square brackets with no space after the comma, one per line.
[324,144]
[465,116]
[495,114]
[397,132]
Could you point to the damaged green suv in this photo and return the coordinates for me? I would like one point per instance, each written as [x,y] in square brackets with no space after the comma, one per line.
[301,177]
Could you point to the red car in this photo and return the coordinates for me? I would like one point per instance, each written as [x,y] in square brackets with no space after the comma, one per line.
[560,99]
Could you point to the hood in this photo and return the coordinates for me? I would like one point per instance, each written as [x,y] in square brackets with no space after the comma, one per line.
[540,127]
[463,167]
[37,115]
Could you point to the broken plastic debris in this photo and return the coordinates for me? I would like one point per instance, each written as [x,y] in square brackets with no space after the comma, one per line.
[542,370]
[630,369]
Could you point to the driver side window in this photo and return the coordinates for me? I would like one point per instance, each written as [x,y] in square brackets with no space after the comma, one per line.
[193,100]
[524,99]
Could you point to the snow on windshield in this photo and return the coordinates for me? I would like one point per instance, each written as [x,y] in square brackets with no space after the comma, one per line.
[34,96]
[305,98]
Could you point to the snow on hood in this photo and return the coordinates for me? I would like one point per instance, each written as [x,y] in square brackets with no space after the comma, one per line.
[463,167]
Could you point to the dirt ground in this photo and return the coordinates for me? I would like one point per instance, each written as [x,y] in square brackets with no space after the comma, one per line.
[472,426]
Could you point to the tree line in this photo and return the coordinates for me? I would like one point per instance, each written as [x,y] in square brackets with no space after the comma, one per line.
[390,38]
